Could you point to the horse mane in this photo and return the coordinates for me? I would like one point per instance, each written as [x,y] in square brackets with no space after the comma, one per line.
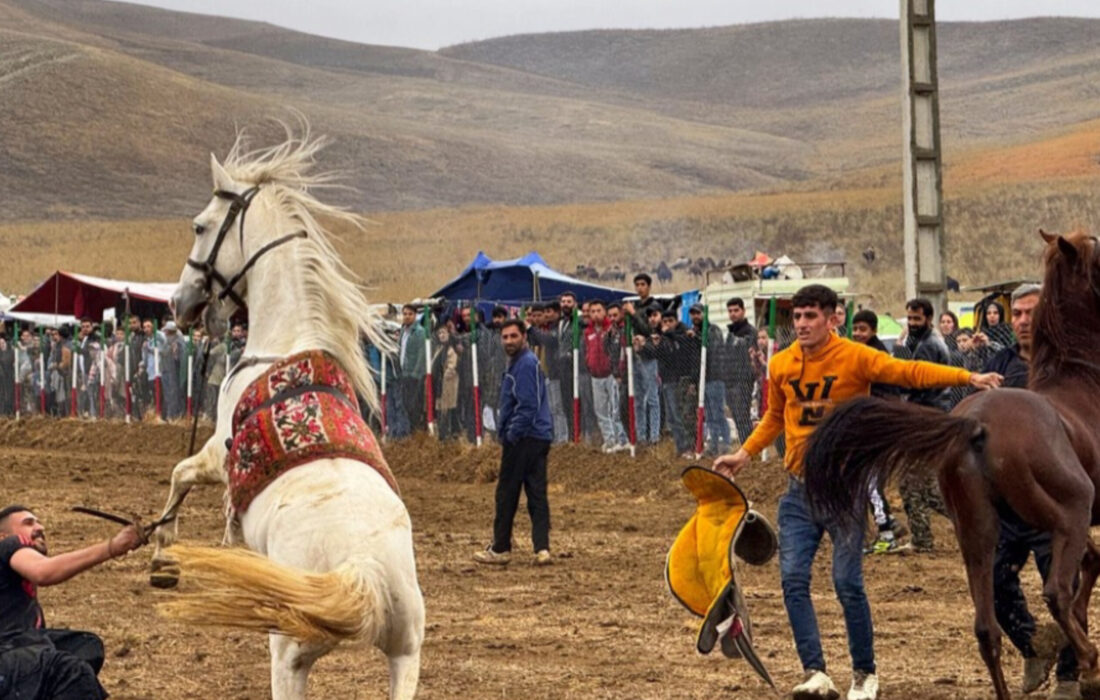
[1067,318]
[330,290]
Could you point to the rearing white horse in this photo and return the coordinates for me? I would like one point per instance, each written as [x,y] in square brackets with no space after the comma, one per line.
[336,536]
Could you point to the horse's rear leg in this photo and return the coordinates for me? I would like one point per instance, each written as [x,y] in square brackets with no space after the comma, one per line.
[1068,547]
[405,625]
[204,467]
[977,528]
[1090,571]
[404,675]
[291,662]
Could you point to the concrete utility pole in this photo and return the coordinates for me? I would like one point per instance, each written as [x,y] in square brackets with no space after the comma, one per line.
[923,166]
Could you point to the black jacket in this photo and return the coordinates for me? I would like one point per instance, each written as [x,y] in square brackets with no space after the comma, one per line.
[928,347]
[1009,364]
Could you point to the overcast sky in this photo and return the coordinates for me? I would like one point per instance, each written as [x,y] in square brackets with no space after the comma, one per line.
[431,24]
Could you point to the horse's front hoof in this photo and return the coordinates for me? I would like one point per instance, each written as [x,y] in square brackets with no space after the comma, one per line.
[1048,640]
[1090,686]
[164,574]
[166,578]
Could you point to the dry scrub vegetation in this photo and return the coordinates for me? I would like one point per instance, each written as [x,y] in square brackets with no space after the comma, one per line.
[403,255]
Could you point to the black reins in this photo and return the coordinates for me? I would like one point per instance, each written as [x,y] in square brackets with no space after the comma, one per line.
[238,207]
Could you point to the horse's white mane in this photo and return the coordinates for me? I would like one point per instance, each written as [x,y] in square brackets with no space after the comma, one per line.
[330,290]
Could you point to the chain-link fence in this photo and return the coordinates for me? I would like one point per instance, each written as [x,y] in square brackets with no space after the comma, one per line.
[133,372]
[619,377]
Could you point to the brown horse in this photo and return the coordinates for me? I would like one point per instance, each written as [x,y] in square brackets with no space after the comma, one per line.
[1036,452]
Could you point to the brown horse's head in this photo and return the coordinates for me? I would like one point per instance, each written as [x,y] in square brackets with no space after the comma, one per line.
[1067,320]
[1072,263]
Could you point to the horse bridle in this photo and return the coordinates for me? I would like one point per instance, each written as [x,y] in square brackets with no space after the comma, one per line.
[238,206]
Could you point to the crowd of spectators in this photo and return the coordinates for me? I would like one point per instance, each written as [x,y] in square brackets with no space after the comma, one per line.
[84,370]
[591,340]
[594,337]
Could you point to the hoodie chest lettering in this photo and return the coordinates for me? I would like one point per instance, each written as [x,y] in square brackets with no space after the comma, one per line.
[813,406]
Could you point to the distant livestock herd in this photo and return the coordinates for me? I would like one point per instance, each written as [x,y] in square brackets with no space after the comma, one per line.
[662,272]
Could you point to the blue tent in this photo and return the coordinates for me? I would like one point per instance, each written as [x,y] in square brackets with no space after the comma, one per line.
[519,280]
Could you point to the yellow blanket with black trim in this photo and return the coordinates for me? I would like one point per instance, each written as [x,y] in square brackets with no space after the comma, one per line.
[700,567]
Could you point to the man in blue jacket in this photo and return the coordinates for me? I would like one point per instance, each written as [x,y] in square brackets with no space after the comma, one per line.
[526,430]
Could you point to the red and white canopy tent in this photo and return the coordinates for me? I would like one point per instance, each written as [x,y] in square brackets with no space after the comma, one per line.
[71,294]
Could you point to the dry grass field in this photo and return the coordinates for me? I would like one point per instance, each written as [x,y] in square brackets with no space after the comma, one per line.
[402,255]
[597,624]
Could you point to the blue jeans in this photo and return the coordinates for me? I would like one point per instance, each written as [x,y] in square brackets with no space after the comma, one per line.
[671,392]
[397,421]
[605,395]
[799,537]
[714,412]
[647,401]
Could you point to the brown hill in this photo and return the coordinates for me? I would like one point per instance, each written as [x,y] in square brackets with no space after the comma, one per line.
[110,109]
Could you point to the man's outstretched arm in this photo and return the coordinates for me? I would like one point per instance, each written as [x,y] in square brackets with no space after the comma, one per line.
[916,374]
[42,570]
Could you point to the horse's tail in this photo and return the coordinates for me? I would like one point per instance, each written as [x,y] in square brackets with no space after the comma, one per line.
[867,441]
[243,589]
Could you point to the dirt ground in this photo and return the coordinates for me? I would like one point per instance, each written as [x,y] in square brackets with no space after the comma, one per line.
[599,623]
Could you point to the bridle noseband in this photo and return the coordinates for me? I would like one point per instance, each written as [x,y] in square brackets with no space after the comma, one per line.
[238,206]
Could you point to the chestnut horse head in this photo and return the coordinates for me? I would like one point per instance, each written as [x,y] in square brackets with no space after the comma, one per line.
[1067,320]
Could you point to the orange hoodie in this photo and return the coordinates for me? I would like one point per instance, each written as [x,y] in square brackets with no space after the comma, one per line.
[803,390]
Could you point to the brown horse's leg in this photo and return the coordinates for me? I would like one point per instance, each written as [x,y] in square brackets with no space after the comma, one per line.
[977,528]
[1068,547]
[1090,571]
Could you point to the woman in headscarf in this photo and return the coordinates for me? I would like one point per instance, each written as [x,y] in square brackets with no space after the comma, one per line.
[445,380]
[949,328]
[998,332]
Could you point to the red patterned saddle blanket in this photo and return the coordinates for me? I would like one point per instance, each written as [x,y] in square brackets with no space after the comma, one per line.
[301,409]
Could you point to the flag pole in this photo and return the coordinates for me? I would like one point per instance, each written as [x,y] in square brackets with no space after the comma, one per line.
[156,371]
[700,412]
[75,412]
[576,375]
[42,370]
[477,380]
[103,369]
[429,389]
[190,370]
[632,415]
[382,380]
[18,385]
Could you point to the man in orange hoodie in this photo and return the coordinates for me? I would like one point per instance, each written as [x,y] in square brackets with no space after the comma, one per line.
[806,381]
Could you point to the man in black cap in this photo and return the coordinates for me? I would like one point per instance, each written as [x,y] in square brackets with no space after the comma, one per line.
[717,428]
[669,348]
[741,338]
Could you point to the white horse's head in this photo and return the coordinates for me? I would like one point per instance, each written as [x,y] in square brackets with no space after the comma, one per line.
[262,201]
[210,278]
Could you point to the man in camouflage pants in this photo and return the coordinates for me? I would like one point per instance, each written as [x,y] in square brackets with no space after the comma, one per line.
[919,492]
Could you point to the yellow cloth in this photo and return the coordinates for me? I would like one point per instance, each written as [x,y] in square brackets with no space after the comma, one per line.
[698,567]
[802,390]
[700,570]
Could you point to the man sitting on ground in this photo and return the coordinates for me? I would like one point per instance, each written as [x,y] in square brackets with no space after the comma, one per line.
[37,663]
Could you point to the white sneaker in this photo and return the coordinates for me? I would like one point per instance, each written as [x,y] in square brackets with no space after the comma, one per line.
[488,556]
[815,686]
[543,558]
[864,686]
